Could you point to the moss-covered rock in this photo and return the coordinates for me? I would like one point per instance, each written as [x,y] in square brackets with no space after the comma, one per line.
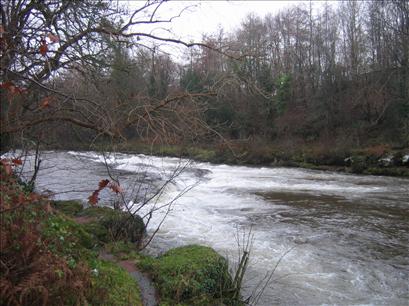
[193,275]
[111,225]
[69,208]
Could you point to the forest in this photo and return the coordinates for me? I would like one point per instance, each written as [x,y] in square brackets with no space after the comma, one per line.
[329,78]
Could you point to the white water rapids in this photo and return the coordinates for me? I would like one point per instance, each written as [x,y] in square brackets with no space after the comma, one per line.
[342,239]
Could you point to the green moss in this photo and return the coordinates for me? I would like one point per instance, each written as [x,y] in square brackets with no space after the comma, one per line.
[69,208]
[202,154]
[112,285]
[112,225]
[195,275]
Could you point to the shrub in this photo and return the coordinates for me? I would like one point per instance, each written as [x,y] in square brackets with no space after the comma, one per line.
[46,257]
[30,273]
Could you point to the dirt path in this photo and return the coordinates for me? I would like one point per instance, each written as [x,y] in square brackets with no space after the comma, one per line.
[149,294]
[83,220]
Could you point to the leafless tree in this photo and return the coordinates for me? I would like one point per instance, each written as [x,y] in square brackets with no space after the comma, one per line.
[41,41]
[145,200]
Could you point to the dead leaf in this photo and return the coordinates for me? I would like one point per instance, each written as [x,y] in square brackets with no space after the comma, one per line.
[102,184]
[45,102]
[93,199]
[43,48]
[17,161]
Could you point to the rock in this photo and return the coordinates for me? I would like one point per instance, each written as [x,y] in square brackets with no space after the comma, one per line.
[300,240]
[113,225]
[190,274]
[405,160]
[386,161]
[348,161]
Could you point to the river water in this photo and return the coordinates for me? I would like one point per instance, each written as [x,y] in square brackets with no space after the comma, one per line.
[330,238]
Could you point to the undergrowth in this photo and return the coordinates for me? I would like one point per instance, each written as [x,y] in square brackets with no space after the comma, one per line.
[48,259]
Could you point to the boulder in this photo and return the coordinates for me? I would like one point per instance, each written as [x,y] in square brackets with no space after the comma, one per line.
[348,161]
[192,275]
[386,161]
[405,160]
[113,225]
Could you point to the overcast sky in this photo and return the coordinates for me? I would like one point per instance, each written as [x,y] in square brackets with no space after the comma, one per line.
[201,17]
[206,16]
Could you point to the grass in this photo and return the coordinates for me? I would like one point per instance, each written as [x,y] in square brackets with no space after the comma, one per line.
[112,285]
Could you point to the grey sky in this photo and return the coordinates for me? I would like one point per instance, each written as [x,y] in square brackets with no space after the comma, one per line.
[201,17]
[207,16]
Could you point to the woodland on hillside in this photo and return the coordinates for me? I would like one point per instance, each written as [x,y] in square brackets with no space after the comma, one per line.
[332,75]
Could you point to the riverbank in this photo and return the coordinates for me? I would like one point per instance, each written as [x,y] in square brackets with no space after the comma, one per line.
[353,220]
[58,252]
[376,160]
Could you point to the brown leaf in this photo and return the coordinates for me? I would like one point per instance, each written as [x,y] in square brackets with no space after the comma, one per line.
[6,85]
[102,184]
[17,161]
[43,48]
[45,102]
[12,88]
[93,198]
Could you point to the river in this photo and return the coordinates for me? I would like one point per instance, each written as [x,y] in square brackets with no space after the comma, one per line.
[331,238]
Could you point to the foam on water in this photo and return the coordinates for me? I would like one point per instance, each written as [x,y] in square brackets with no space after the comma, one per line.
[225,201]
